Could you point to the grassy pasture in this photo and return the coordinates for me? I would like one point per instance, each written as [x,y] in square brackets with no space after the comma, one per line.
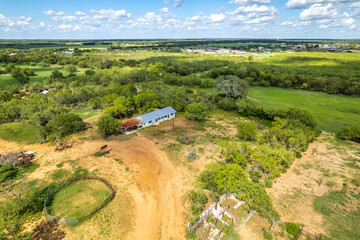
[19,132]
[79,198]
[313,63]
[40,74]
[332,112]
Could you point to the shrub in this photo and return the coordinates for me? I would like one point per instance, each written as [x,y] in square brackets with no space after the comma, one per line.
[108,125]
[268,183]
[351,133]
[198,200]
[247,131]
[196,111]
[293,229]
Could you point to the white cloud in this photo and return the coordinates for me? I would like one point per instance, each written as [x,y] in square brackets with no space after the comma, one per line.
[64,18]
[178,3]
[164,10]
[217,17]
[53,13]
[319,11]
[109,14]
[248,2]
[355,5]
[306,3]
[254,14]
[80,13]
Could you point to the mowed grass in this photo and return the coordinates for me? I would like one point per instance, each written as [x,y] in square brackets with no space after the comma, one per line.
[85,113]
[332,112]
[79,198]
[40,74]
[19,132]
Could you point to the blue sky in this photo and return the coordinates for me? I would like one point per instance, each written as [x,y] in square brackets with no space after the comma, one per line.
[138,19]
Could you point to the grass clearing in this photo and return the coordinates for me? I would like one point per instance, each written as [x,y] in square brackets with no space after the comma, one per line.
[85,113]
[341,212]
[40,74]
[79,198]
[332,112]
[19,132]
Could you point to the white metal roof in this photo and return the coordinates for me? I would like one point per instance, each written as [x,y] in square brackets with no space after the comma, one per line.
[156,114]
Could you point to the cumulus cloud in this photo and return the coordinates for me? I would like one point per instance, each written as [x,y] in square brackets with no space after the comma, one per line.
[217,17]
[53,13]
[15,23]
[319,11]
[109,14]
[64,18]
[80,13]
[248,2]
[306,3]
[254,14]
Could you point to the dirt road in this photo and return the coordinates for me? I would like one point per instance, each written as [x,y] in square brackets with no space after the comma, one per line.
[157,191]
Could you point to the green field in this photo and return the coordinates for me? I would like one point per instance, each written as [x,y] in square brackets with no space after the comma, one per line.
[79,198]
[332,112]
[19,132]
[40,74]
[85,113]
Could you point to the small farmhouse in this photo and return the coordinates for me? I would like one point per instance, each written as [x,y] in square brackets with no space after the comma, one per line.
[149,119]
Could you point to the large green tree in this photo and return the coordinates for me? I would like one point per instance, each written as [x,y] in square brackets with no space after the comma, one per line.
[232,86]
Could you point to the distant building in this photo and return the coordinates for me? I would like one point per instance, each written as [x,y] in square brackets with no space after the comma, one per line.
[335,50]
[149,119]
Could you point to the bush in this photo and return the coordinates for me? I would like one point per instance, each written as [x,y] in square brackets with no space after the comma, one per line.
[351,133]
[268,183]
[108,125]
[293,229]
[196,111]
[198,200]
[247,131]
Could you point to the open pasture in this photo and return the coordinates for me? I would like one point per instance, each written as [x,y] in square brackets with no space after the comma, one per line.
[332,112]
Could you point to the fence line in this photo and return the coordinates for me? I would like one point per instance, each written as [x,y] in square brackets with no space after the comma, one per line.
[53,191]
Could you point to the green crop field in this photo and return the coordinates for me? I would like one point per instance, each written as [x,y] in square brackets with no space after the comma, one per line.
[79,198]
[40,74]
[332,112]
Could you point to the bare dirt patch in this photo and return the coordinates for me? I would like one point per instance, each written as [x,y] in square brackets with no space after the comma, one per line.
[320,170]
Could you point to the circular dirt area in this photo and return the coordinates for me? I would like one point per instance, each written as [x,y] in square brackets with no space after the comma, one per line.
[79,198]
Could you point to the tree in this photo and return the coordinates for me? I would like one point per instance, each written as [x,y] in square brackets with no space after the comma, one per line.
[247,131]
[196,111]
[71,68]
[63,125]
[232,86]
[108,125]
[19,75]
[56,74]
[89,72]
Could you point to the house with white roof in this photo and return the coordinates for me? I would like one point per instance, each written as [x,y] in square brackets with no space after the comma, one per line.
[148,119]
